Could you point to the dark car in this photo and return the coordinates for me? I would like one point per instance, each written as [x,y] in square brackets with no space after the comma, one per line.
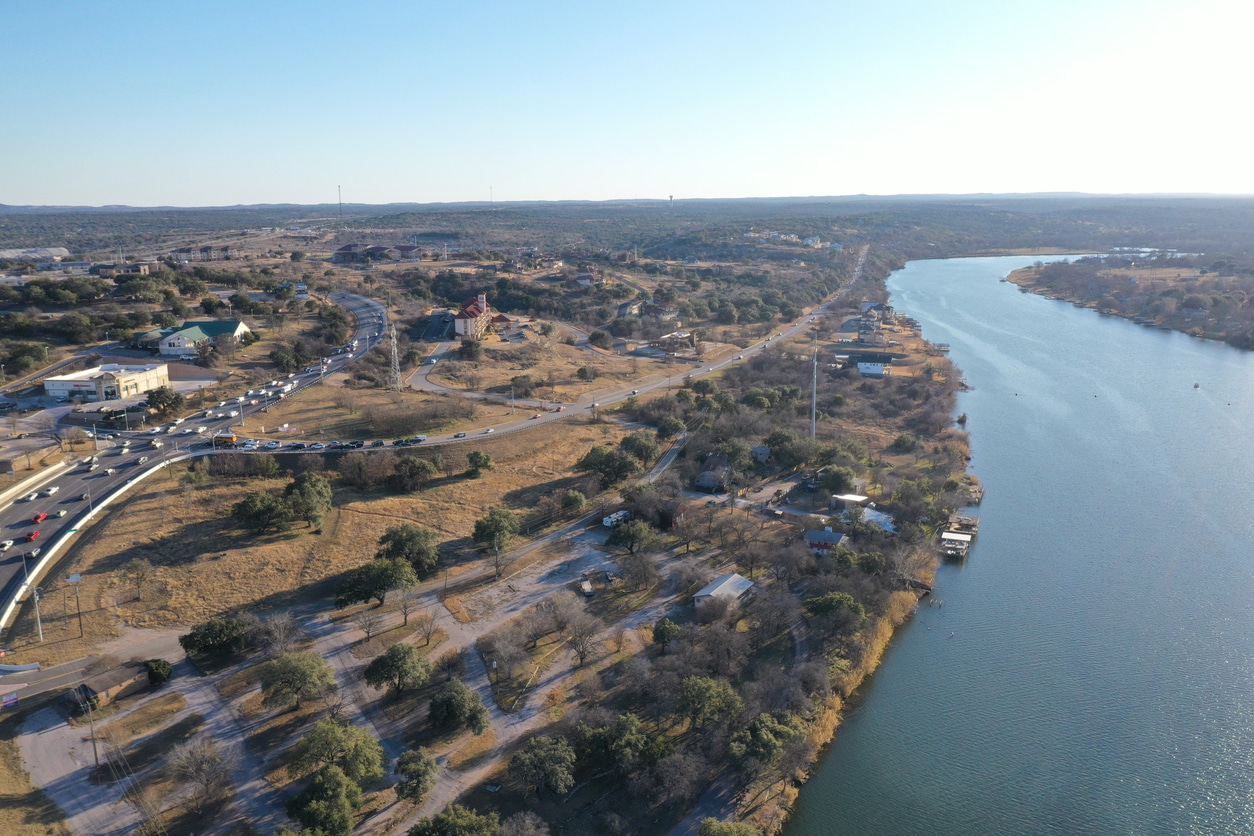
[296,445]
[400,442]
[376,444]
[356,445]
[459,435]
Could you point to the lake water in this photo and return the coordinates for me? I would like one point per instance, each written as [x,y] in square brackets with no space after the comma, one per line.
[1091,670]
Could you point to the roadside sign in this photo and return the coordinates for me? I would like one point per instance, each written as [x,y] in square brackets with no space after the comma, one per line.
[10,700]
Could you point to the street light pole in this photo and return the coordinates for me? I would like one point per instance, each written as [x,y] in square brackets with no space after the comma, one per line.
[39,622]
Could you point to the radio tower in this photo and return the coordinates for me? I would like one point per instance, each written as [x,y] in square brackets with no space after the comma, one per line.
[397,384]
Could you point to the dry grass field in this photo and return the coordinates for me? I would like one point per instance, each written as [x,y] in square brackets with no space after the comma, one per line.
[206,565]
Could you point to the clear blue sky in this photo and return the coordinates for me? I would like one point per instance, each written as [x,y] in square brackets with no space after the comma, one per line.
[214,103]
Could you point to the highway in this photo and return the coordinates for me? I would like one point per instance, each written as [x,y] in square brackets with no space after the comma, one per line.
[122,456]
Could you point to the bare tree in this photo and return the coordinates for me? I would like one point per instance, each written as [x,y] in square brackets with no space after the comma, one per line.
[203,763]
[138,571]
[581,635]
[452,664]
[279,633]
[369,621]
[424,625]
[407,603]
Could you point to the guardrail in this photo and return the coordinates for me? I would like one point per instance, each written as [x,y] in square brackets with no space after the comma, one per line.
[35,482]
[22,587]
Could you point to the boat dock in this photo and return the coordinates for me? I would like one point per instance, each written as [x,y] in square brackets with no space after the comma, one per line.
[958,535]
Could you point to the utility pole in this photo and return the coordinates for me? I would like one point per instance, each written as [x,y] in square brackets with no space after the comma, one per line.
[814,387]
[397,384]
[39,622]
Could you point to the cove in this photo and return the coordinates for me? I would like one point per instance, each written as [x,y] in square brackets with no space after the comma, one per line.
[1091,670]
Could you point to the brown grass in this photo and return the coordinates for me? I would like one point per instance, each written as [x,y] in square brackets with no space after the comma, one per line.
[470,750]
[151,715]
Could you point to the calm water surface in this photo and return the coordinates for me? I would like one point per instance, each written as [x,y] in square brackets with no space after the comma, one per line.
[1092,668]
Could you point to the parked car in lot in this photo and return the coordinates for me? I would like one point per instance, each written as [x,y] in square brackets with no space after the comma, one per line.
[459,435]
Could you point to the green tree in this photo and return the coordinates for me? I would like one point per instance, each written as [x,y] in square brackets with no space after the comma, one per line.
[457,820]
[351,748]
[496,530]
[601,339]
[456,706]
[418,773]
[665,631]
[634,537]
[478,462]
[159,671]
[545,762]
[294,677]
[702,699]
[642,445]
[326,806]
[216,637]
[374,580]
[612,466]
[261,511]
[573,502]
[411,473]
[838,480]
[397,668]
[412,543]
[470,350]
[309,498]
[764,739]
[669,428]
[165,401]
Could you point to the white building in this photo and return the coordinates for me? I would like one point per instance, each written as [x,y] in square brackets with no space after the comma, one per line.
[108,382]
[731,587]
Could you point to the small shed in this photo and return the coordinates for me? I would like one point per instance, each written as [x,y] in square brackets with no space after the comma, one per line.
[104,688]
[731,587]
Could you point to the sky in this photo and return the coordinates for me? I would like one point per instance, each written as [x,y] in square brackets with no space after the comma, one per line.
[223,103]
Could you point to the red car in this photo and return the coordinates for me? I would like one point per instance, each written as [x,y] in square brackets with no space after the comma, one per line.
[34,535]
[40,517]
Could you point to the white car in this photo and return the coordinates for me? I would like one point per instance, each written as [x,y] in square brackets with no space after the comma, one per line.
[32,497]
[273,445]
[234,413]
[6,545]
[200,430]
[52,491]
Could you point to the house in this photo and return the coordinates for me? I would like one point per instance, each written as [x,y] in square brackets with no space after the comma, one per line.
[823,541]
[881,310]
[110,270]
[671,515]
[474,318]
[731,587]
[349,252]
[715,475]
[760,453]
[378,253]
[187,339]
[874,369]
[104,688]
[844,501]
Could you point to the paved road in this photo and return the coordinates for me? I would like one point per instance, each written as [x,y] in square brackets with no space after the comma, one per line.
[123,456]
